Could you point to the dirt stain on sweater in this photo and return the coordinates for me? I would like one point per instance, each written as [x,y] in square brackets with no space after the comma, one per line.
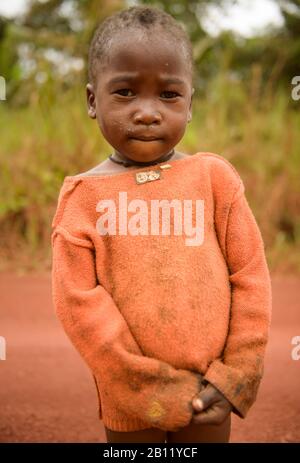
[155,410]
[164,314]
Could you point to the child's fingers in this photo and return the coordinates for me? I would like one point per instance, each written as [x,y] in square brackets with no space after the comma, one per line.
[204,399]
[210,416]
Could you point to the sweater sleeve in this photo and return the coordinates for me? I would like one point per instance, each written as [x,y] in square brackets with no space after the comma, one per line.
[140,387]
[237,374]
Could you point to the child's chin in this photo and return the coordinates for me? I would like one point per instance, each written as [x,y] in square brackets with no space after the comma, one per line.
[148,150]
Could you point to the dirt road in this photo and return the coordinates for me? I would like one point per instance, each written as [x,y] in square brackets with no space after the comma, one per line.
[47,393]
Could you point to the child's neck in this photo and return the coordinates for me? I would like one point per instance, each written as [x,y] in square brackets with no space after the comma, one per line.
[120,159]
[108,167]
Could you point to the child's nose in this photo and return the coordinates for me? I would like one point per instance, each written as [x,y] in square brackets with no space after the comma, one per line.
[147,116]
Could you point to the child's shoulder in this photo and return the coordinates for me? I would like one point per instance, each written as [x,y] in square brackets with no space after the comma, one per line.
[66,191]
[220,164]
[224,177]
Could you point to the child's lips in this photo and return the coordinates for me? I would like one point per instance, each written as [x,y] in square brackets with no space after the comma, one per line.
[146,138]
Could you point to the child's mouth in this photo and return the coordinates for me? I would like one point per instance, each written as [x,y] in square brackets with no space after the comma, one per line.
[145,138]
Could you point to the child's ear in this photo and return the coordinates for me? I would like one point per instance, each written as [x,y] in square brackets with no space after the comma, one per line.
[91,101]
[190,108]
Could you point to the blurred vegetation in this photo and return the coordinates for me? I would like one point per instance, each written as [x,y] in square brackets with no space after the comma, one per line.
[242,109]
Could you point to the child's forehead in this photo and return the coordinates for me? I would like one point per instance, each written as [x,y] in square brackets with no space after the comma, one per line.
[136,50]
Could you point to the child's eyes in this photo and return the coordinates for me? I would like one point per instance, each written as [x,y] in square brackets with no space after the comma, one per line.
[123,92]
[174,94]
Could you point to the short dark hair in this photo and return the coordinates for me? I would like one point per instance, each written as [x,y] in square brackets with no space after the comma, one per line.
[135,17]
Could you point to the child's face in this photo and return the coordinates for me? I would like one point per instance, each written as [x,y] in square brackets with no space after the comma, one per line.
[141,104]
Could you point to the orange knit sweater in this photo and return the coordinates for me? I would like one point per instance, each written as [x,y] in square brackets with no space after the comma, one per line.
[152,312]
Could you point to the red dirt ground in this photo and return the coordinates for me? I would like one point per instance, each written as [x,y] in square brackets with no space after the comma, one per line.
[47,393]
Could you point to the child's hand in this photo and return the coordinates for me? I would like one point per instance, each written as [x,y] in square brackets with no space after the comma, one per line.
[214,409]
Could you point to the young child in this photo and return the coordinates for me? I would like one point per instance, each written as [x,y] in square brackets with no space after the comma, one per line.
[159,273]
